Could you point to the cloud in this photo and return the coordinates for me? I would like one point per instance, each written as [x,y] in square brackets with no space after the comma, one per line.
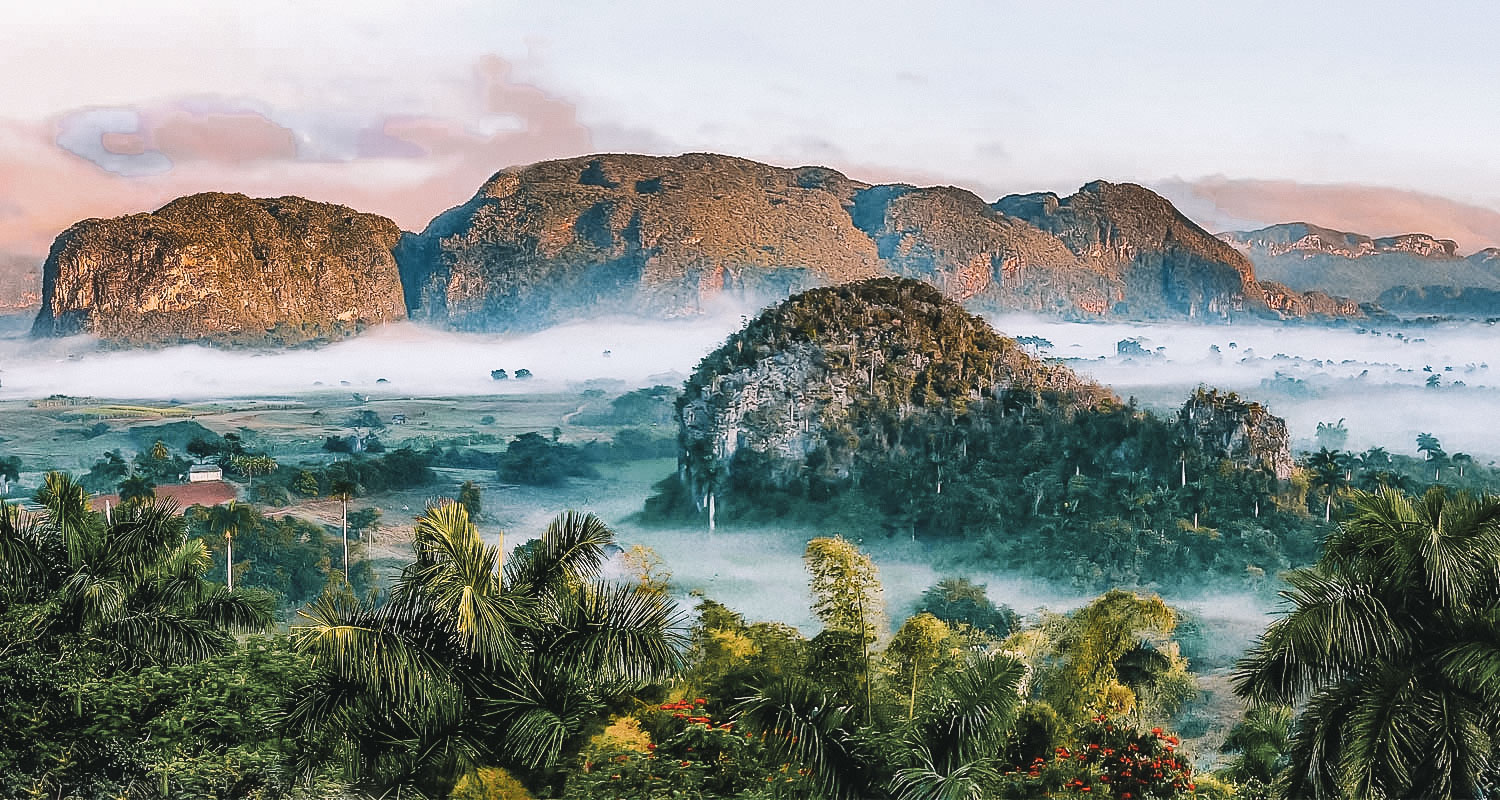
[107,161]
[1220,204]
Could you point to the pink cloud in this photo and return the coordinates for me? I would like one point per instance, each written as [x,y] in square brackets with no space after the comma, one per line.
[1220,203]
[410,168]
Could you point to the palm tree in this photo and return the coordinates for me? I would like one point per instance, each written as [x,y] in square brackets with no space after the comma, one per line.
[1260,739]
[1375,458]
[1392,649]
[953,743]
[10,470]
[134,584]
[343,491]
[1328,475]
[137,489]
[1427,443]
[1462,460]
[474,660]
[227,520]
[250,466]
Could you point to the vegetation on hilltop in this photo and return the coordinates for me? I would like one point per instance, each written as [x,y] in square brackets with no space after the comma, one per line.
[884,404]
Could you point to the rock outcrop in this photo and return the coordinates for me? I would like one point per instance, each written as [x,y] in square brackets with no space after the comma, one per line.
[1239,430]
[223,268]
[627,233]
[669,236]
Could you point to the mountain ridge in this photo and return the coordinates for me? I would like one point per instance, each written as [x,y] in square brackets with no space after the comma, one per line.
[1399,272]
[658,236]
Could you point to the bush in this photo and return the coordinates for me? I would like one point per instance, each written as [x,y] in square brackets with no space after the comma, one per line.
[534,460]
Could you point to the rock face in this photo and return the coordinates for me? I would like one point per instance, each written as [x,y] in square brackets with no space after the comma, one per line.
[225,268]
[1164,263]
[1310,258]
[671,235]
[800,384]
[1239,430]
[625,233]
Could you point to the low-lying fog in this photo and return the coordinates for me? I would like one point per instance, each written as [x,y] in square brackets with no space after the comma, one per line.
[400,358]
[1376,379]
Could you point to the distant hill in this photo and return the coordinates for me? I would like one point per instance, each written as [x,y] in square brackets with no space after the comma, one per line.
[652,236]
[1307,257]
[223,268]
[671,236]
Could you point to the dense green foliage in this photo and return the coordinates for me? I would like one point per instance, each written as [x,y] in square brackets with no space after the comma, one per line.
[916,417]
[468,664]
[535,460]
[99,617]
[396,470]
[945,711]
[1392,646]
[293,559]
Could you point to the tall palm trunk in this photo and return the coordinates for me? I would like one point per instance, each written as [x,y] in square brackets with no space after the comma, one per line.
[229,559]
[344,521]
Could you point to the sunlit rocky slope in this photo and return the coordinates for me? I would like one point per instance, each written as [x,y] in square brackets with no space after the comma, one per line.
[224,268]
[653,236]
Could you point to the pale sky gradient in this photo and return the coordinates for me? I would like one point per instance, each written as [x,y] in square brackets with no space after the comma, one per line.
[404,108]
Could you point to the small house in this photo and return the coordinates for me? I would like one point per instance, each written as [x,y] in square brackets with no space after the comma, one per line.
[398,419]
[201,473]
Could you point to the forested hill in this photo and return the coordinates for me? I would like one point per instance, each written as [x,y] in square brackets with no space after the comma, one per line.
[885,402]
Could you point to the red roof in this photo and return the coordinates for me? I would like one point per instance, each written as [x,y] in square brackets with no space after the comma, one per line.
[203,493]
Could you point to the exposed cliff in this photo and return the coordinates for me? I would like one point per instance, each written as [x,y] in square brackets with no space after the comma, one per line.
[627,233]
[225,268]
[1228,427]
[1165,264]
[670,235]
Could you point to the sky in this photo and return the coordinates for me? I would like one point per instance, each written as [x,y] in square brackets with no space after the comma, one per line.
[1377,117]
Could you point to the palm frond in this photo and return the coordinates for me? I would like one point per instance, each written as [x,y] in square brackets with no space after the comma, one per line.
[369,651]
[571,549]
[1336,623]
[976,708]
[456,574]
[22,564]
[134,543]
[93,600]
[1316,752]
[69,517]
[247,609]
[165,638]
[972,780]
[624,633]
[808,727]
